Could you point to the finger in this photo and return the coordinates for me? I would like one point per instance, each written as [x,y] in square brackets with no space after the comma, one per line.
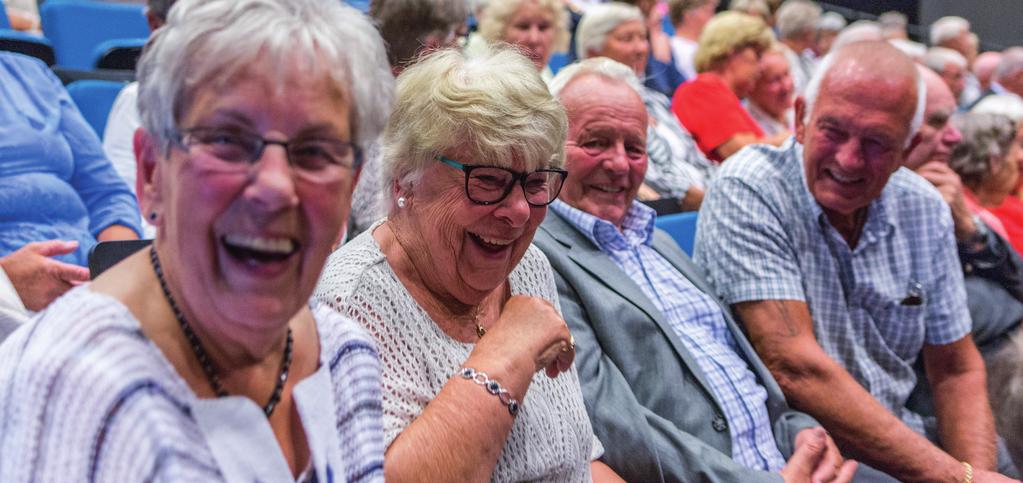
[52,248]
[71,273]
[847,471]
[826,470]
[808,455]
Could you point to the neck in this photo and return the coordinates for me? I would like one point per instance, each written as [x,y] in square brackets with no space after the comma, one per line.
[849,226]
[687,31]
[796,45]
[990,199]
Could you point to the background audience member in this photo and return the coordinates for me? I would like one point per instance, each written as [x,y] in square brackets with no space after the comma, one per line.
[55,182]
[1006,92]
[678,169]
[859,31]
[828,27]
[728,60]
[992,270]
[660,73]
[202,358]
[954,33]
[688,17]
[984,69]
[796,22]
[23,14]
[779,251]
[893,25]
[409,28]
[123,120]
[754,8]
[451,289]
[537,27]
[30,279]
[770,101]
[635,332]
[950,65]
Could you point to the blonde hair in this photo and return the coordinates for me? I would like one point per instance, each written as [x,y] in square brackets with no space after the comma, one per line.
[498,14]
[727,33]
[491,103]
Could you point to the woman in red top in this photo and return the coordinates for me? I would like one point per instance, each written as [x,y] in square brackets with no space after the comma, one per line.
[709,106]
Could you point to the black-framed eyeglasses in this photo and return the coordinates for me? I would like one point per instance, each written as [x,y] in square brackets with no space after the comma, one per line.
[316,159]
[487,185]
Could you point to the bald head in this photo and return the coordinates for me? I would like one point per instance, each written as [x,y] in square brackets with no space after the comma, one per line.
[984,68]
[937,136]
[887,77]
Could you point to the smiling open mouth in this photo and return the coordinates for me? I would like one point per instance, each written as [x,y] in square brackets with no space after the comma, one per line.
[493,245]
[607,188]
[255,249]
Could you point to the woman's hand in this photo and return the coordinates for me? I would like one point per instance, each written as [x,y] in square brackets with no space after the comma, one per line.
[530,334]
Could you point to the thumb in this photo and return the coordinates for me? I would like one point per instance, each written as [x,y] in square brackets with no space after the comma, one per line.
[806,457]
[54,247]
[72,273]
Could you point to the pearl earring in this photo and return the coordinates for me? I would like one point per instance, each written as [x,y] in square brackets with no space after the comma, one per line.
[402,202]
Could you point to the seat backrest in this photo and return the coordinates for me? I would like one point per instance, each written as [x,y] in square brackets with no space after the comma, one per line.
[119,54]
[681,227]
[5,23]
[94,99]
[27,44]
[76,27]
[106,254]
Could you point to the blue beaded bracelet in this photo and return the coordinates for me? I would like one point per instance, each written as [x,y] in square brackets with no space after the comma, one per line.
[492,386]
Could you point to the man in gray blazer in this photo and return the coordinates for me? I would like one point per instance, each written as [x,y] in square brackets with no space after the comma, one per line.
[672,386]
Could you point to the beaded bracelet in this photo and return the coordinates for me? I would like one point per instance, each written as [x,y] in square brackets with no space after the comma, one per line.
[492,386]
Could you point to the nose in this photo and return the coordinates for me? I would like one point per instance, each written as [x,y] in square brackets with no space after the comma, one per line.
[952,135]
[272,183]
[533,37]
[514,209]
[850,155]
[616,161]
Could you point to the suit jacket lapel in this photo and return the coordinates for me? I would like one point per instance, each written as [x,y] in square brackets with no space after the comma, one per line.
[582,251]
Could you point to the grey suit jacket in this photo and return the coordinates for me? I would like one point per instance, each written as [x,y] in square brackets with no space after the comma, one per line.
[649,401]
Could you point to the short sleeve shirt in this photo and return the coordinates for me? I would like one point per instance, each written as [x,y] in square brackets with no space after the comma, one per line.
[762,236]
[712,113]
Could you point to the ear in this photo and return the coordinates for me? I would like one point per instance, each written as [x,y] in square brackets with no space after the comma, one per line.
[153,21]
[148,173]
[800,115]
[912,145]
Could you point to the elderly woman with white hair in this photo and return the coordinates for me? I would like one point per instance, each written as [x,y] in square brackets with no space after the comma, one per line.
[477,361]
[203,358]
[677,169]
[538,28]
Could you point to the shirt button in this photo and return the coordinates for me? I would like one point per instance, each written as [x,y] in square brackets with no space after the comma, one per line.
[719,423]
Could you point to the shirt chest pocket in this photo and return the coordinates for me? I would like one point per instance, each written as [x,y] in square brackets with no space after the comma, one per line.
[902,327]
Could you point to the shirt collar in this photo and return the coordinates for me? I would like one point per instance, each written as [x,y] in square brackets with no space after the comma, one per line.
[637,227]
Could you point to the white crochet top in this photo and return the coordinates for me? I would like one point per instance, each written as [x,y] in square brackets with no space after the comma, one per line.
[551,439]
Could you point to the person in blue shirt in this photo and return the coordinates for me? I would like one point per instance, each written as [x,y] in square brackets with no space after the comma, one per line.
[55,181]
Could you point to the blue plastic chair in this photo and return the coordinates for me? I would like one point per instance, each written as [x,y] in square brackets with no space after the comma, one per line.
[681,227]
[362,5]
[76,27]
[557,61]
[5,23]
[94,99]
[118,53]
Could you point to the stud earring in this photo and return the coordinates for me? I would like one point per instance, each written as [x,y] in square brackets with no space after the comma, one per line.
[402,201]
[152,216]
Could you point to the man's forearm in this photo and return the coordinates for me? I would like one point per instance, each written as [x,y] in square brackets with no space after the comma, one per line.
[959,383]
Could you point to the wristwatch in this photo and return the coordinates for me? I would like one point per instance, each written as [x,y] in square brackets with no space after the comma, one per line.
[977,241]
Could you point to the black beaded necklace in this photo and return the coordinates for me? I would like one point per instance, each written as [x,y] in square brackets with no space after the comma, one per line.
[204,358]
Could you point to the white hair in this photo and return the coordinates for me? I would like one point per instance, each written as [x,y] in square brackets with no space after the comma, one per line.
[937,58]
[598,66]
[947,28]
[858,31]
[913,50]
[490,104]
[598,21]
[796,17]
[892,21]
[813,88]
[831,22]
[205,44]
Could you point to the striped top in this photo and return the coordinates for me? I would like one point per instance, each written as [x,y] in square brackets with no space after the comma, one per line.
[85,396]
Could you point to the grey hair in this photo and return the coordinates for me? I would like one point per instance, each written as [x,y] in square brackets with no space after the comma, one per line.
[159,8]
[1012,62]
[986,141]
[489,103]
[937,58]
[598,21]
[758,7]
[813,88]
[831,22]
[796,17]
[496,16]
[407,24]
[207,43]
[892,21]
[858,31]
[597,66]
[947,28]
[914,50]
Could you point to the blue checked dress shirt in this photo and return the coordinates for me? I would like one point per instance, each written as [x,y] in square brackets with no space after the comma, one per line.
[762,236]
[697,320]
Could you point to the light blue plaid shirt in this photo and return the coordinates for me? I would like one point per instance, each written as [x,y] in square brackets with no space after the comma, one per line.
[697,320]
[762,236]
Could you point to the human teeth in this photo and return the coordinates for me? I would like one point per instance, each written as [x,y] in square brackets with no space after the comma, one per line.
[262,244]
[608,189]
[493,241]
[843,179]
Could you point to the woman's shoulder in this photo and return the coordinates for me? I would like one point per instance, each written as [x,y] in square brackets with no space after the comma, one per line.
[534,275]
[356,263]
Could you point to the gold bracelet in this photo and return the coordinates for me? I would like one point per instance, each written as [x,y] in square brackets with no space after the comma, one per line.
[968,477]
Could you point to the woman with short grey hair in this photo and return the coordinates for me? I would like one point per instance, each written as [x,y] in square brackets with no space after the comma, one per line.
[203,357]
[538,28]
[677,169]
[477,361]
